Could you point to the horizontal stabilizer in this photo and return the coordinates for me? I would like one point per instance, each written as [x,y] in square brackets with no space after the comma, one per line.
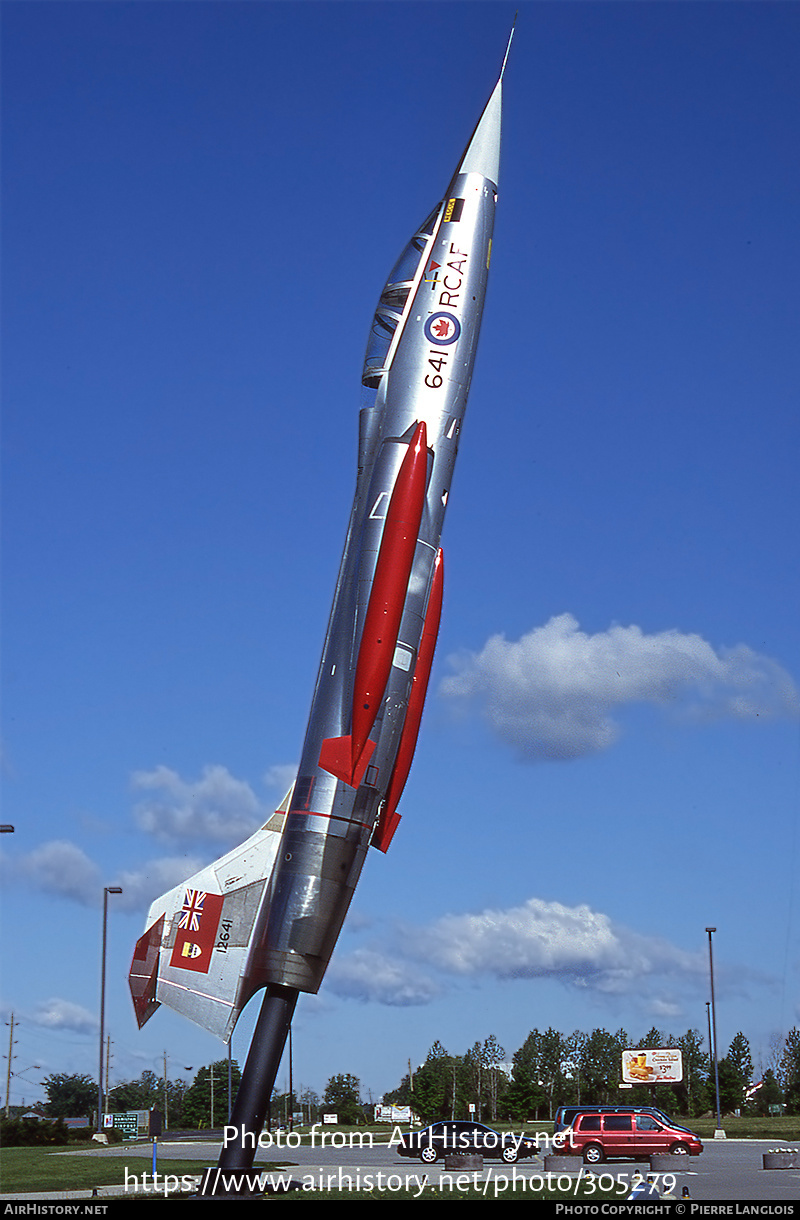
[383,833]
[196,951]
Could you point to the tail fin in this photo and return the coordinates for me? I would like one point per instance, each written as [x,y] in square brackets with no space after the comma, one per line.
[195,952]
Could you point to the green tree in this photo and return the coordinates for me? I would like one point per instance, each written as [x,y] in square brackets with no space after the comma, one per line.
[573,1047]
[176,1094]
[539,1076]
[143,1094]
[526,1093]
[482,1079]
[601,1065]
[433,1085]
[473,1069]
[735,1074]
[310,1105]
[148,1093]
[70,1096]
[343,1097]
[740,1059]
[403,1095]
[770,1094]
[691,1094]
[731,1092]
[789,1071]
[553,1053]
[211,1081]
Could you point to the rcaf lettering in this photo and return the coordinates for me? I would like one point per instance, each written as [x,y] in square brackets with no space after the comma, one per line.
[450,296]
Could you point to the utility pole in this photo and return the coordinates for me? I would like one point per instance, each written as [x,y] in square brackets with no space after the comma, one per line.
[10,1057]
[166,1101]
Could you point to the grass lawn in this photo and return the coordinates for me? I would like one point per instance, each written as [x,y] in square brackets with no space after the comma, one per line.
[38,1169]
[783,1130]
[50,1170]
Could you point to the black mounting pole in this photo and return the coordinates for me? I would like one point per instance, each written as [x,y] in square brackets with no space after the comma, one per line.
[258,1079]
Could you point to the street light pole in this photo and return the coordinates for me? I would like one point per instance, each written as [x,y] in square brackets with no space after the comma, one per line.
[230,1078]
[291,1085]
[109,889]
[718,1133]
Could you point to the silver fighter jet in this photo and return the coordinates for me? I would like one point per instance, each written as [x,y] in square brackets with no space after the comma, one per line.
[268,913]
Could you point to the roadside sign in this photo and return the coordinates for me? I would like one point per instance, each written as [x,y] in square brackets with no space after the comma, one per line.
[657,1066]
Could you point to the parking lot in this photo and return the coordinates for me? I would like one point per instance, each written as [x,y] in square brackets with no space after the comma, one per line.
[729,1170]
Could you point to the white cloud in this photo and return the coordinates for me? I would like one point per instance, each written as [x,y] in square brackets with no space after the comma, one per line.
[575,946]
[141,887]
[546,939]
[61,868]
[370,975]
[281,777]
[552,694]
[63,1014]
[215,807]
[664,1007]
[64,870]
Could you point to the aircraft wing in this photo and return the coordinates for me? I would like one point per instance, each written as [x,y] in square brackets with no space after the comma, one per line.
[197,952]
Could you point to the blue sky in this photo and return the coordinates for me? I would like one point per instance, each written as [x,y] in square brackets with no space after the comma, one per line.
[201,204]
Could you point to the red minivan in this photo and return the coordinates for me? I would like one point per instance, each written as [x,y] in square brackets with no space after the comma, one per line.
[626,1135]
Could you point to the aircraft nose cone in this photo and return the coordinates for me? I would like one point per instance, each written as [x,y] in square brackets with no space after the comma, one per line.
[482,154]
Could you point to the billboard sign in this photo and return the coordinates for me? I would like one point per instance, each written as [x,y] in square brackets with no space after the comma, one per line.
[661,1066]
[393,1114]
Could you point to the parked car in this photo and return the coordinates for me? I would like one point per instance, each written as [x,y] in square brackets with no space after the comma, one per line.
[628,1135]
[566,1115]
[459,1137]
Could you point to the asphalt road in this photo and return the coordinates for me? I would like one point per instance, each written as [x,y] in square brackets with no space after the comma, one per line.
[726,1170]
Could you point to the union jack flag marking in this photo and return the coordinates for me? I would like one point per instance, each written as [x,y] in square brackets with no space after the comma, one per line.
[192,910]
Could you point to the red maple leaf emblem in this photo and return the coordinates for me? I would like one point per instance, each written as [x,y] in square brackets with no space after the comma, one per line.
[441,328]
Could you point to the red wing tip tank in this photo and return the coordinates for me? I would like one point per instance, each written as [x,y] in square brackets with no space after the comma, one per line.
[268,914]
[347,757]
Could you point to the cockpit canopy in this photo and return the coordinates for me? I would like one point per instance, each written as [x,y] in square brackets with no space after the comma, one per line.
[392,303]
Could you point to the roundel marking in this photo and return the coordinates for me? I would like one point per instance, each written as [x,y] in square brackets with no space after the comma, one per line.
[442,329]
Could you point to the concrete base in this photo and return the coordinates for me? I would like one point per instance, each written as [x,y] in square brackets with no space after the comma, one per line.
[666,1163]
[719,1134]
[786,1159]
[463,1160]
[561,1163]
